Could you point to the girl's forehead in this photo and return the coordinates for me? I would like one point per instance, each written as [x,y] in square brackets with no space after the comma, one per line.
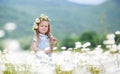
[44,23]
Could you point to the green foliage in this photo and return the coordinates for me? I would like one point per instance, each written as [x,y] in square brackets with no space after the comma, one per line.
[68,42]
[15,69]
[26,42]
[91,37]
[66,18]
[94,70]
[59,71]
[79,17]
[1,44]
[117,39]
[10,69]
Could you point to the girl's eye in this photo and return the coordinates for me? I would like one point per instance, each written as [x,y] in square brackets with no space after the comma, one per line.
[41,25]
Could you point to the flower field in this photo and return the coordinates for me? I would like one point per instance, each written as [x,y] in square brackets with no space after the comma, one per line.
[68,61]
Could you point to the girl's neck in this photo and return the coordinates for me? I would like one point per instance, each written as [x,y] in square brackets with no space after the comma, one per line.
[42,33]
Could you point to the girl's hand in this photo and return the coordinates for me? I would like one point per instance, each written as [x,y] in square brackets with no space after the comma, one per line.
[48,51]
[53,41]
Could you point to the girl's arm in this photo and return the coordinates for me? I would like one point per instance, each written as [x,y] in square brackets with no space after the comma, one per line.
[35,44]
[53,42]
[35,47]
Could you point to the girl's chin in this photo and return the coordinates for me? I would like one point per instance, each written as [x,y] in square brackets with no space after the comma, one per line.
[43,32]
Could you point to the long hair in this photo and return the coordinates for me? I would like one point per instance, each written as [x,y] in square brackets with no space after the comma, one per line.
[37,22]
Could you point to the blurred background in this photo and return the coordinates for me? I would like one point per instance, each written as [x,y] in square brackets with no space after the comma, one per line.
[71,21]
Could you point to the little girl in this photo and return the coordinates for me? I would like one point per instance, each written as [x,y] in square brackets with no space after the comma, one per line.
[43,41]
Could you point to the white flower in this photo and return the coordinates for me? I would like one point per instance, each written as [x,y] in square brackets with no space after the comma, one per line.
[47,48]
[63,48]
[10,26]
[105,42]
[43,16]
[78,44]
[108,46]
[86,44]
[98,49]
[35,26]
[117,32]
[114,46]
[37,20]
[55,48]
[67,67]
[32,52]
[111,41]
[69,49]
[110,36]
[99,46]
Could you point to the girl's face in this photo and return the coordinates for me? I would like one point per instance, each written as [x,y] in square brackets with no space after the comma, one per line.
[43,27]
